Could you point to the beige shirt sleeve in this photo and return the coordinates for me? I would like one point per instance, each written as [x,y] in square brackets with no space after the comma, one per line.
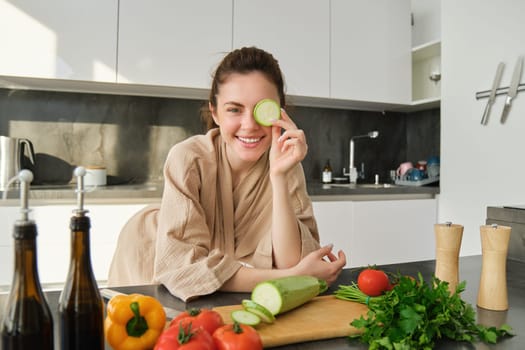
[304,211]
[185,261]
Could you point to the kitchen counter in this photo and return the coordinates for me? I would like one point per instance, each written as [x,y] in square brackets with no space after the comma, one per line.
[152,192]
[470,268]
[356,192]
[65,194]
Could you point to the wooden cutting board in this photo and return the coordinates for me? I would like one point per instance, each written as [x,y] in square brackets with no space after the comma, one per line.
[321,318]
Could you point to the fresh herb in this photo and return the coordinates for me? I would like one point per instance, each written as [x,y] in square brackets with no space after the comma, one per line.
[414,314]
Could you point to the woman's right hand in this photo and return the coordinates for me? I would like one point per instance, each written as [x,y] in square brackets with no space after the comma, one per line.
[315,264]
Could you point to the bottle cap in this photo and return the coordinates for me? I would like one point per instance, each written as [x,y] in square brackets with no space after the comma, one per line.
[80,172]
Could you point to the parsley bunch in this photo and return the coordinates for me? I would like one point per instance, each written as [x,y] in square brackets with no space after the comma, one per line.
[414,314]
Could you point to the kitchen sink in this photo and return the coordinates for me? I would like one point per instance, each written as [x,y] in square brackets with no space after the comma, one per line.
[362,185]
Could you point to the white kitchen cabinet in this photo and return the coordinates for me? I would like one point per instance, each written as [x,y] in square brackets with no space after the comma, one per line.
[426,72]
[54,238]
[61,39]
[371,51]
[8,216]
[426,53]
[172,42]
[387,232]
[335,223]
[379,232]
[296,32]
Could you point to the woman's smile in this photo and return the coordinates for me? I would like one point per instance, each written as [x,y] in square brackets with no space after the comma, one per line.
[249,141]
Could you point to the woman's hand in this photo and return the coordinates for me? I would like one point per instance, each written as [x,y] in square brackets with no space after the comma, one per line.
[315,264]
[287,149]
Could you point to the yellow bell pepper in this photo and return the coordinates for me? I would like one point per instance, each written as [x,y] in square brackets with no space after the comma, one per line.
[133,322]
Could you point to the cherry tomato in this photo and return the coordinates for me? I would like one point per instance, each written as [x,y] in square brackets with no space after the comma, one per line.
[237,337]
[373,282]
[208,319]
[184,337]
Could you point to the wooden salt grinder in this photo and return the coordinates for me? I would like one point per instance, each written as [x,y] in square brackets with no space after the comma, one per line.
[448,243]
[492,293]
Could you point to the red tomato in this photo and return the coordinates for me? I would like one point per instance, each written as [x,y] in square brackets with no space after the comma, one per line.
[184,338]
[237,337]
[373,282]
[208,319]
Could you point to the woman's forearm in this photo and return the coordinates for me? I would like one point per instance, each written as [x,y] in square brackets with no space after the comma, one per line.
[286,236]
[246,278]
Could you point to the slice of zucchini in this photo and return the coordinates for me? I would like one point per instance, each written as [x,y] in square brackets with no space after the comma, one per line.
[265,111]
[264,314]
[245,317]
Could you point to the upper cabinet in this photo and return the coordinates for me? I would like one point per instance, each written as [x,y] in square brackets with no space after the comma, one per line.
[426,73]
[426,53]
[351,54]
[59,39]
[172,42]
[296,32]
[371,51]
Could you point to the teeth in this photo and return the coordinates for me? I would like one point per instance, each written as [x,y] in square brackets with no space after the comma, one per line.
[249,140]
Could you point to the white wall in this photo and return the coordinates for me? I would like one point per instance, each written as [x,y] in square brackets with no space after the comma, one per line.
[480,165]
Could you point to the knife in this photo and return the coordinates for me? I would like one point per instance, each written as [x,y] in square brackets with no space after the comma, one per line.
[110,293]
[513,89]
[492,96]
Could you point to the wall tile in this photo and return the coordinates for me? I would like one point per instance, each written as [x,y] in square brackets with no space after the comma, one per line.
[131,135]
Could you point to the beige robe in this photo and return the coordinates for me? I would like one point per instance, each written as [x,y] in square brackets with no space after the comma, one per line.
[204,229]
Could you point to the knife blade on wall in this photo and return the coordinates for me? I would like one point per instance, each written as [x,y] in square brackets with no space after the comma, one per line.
[513,89]
[492,96]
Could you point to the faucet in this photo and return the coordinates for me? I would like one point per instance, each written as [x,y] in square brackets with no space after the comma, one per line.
[352,173]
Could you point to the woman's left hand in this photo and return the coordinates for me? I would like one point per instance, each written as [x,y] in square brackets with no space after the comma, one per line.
[288,148]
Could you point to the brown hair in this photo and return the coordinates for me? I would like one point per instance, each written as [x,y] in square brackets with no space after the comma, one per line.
[244,60]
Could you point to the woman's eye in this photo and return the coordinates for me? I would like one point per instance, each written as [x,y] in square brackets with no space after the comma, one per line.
[233,110]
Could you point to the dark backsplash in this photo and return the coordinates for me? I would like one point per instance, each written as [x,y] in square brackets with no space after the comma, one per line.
[131,135]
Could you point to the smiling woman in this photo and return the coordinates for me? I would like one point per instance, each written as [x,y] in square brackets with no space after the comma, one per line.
[235,210]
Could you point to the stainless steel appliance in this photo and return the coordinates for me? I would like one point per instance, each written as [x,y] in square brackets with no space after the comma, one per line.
[12,152]
[513,216]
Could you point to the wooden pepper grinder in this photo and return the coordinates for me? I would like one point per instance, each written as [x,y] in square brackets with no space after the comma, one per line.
[448,243]
[492,293]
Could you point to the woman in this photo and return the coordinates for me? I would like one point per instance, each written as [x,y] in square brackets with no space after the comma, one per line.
[235,210]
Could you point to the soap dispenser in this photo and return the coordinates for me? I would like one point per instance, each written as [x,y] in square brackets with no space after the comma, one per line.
[27,323]
[81,308]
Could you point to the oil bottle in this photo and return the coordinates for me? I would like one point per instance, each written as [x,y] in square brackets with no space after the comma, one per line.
[81,308]
[27,323]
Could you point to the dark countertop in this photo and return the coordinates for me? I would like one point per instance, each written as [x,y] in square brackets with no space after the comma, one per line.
[470,269]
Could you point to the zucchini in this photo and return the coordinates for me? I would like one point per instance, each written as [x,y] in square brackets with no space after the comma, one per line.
[264,314]
[245,317]
[283,294]
[265,111]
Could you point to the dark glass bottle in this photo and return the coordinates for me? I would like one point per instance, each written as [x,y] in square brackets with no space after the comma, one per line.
[27,323]
[81,308]
[327,172]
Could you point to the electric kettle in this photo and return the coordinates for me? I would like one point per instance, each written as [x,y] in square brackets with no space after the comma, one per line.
[12,151]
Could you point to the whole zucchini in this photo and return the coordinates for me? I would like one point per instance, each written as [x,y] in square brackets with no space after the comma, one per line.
[283,294]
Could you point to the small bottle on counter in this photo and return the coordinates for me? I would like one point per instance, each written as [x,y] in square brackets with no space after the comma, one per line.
[28,323]
[327,173]
[81,308]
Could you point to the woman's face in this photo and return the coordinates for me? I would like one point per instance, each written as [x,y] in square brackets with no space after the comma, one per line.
[246,140]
